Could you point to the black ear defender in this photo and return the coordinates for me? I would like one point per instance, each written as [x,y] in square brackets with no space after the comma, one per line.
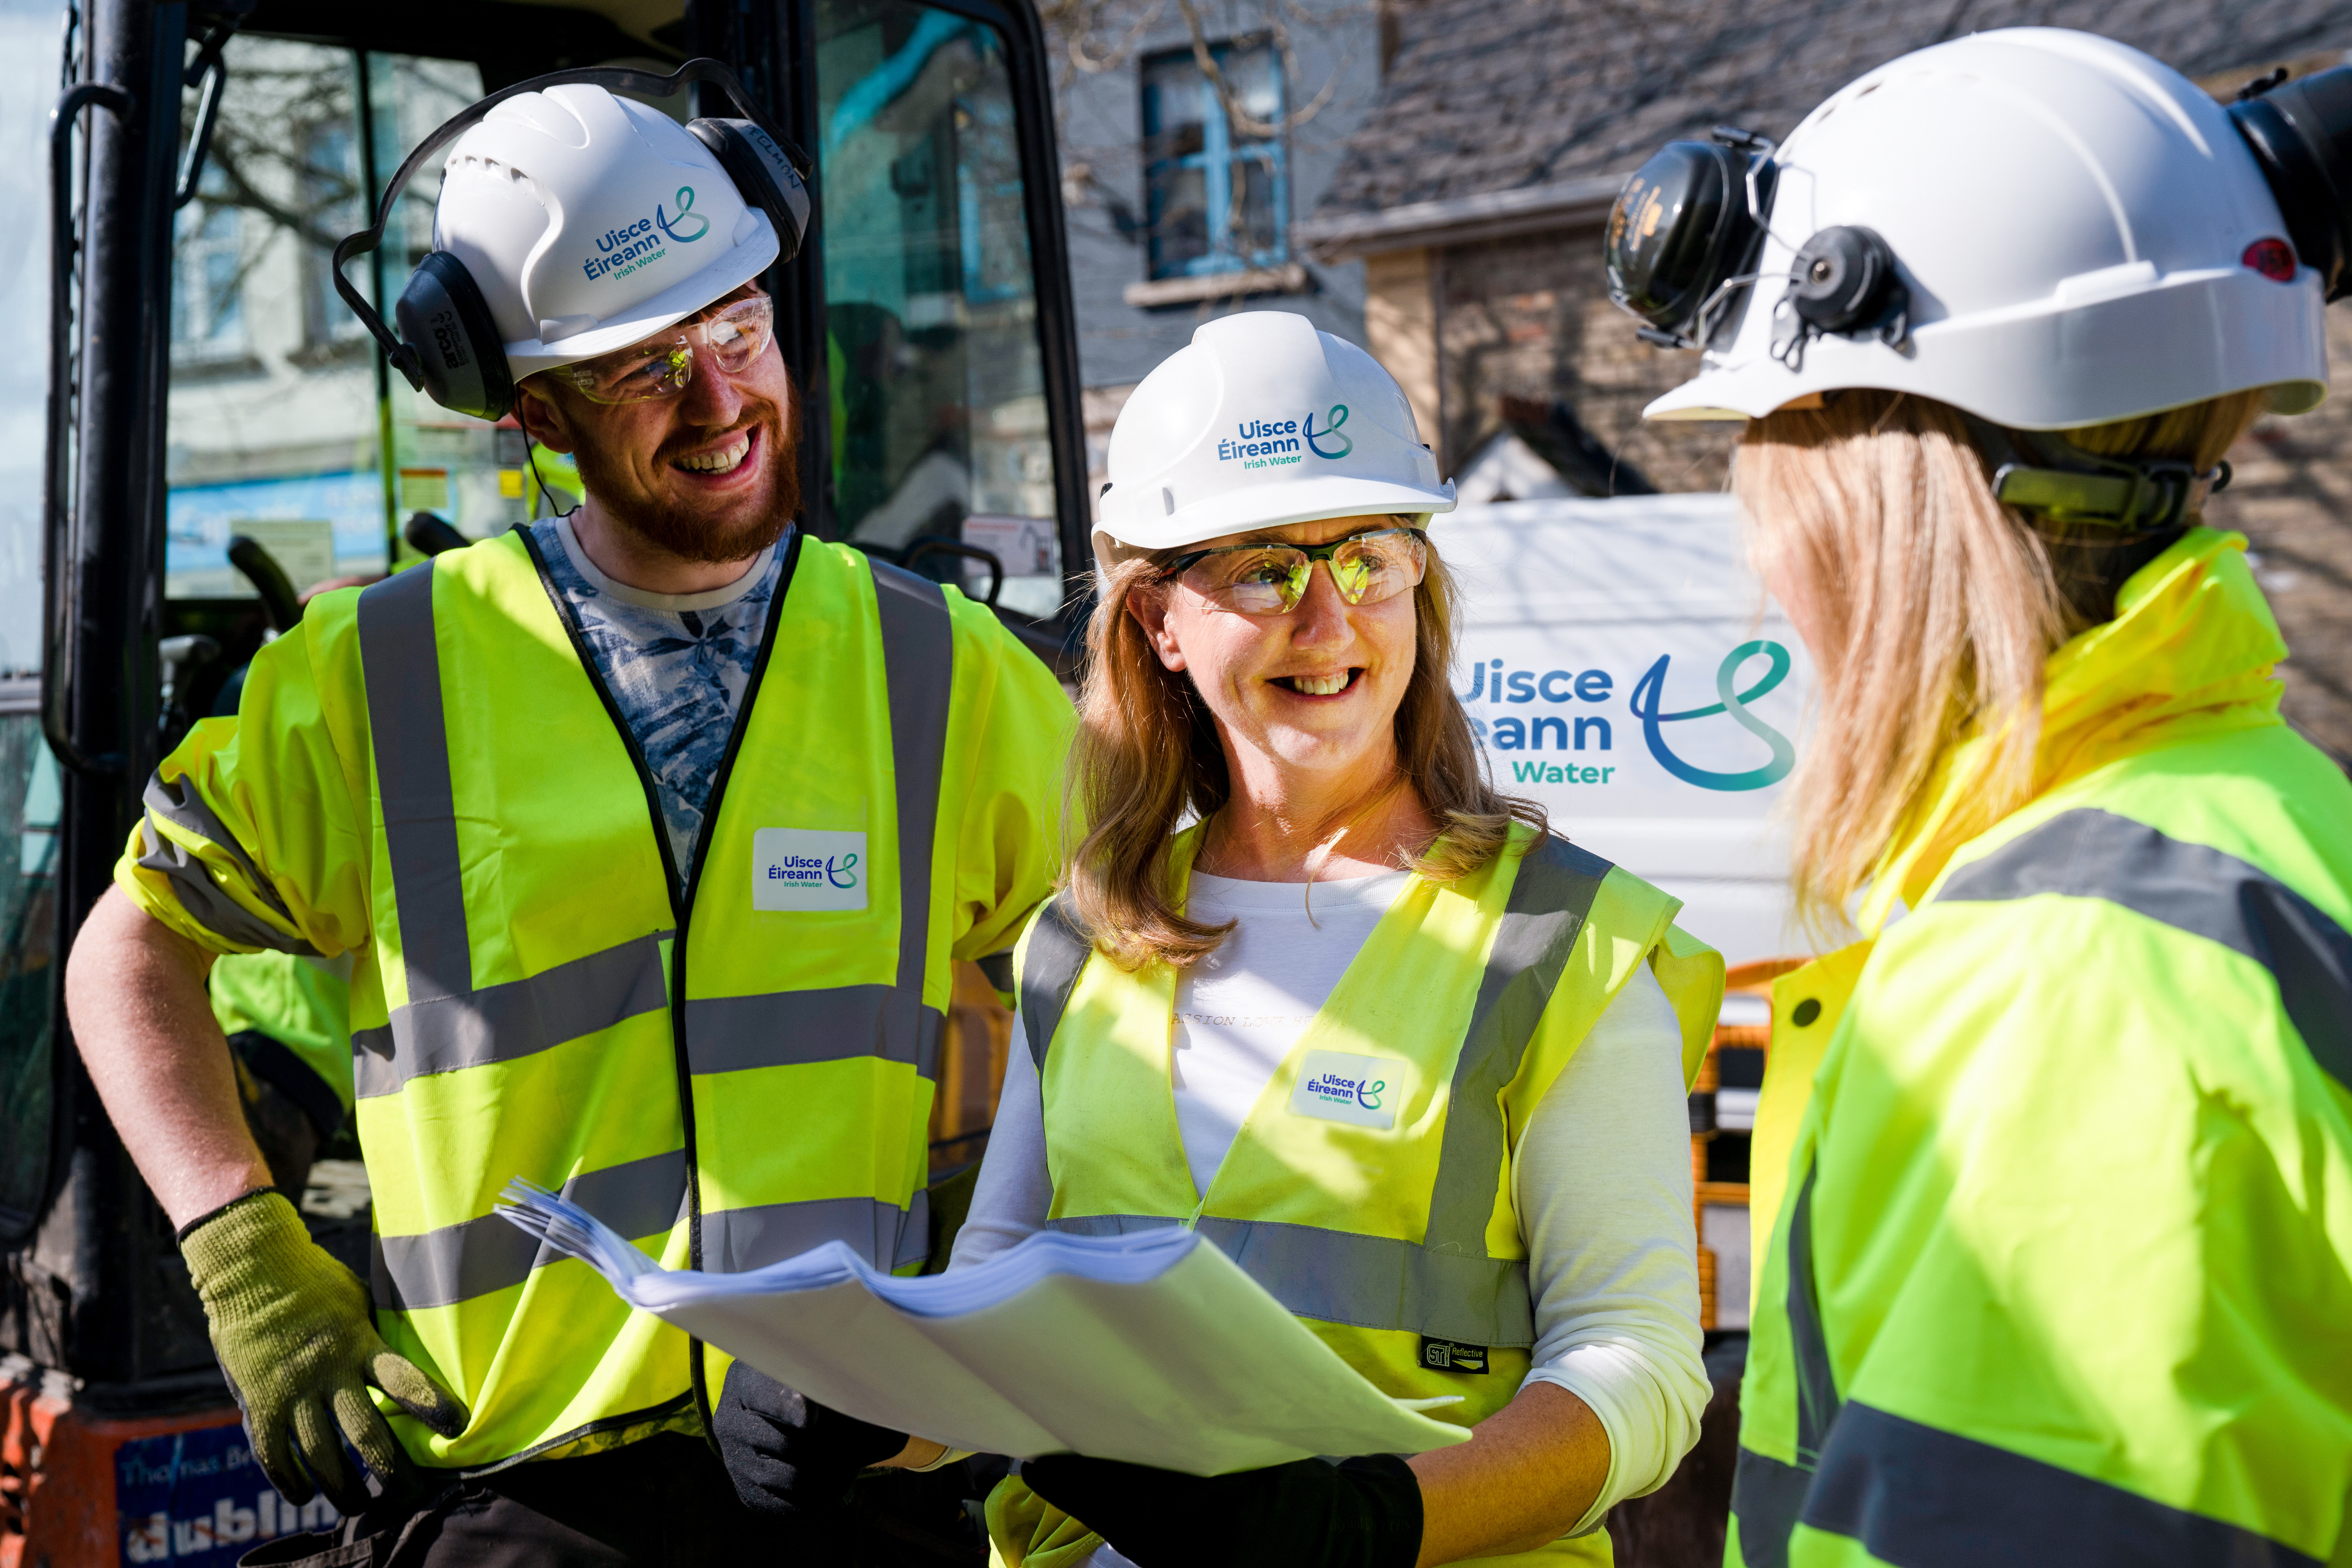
[763,170]
[2300,134]
[1685,232]
[448,345]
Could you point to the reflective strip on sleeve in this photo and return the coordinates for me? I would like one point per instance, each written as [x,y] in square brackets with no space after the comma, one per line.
[2192,887]
[400,664]
[176,801]
[474,1257]
[1767,1495]
[1364,1281]
[515,1019]
[1929,1499]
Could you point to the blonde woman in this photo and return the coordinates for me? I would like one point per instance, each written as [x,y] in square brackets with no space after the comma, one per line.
[2061,1162]
[1316,989]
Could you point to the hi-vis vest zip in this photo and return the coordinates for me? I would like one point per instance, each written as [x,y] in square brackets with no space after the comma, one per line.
[1396,1241]
[726,1082]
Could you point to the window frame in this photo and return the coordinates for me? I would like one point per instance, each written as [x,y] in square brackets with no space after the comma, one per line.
[1219,159]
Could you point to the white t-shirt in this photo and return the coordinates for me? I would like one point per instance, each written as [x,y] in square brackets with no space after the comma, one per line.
[1601,1177]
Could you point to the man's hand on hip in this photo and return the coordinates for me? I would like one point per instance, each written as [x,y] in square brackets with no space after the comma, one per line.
[296,1335]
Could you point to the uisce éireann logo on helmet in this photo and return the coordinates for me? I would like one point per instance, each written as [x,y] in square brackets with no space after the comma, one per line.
[1331,423]
[686,213]
[624,250]
[1273,443]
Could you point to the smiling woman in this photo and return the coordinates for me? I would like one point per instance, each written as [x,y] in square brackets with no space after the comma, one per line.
[1296,875]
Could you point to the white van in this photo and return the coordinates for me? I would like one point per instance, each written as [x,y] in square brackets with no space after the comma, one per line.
[1623,666]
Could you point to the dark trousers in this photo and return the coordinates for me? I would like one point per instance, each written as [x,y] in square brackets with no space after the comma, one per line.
[662,1502]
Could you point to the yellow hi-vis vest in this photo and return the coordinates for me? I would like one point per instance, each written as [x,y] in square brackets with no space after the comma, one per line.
[1400,1246]
[728,1075]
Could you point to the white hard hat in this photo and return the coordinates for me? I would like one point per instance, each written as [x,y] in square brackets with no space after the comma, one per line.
[589,221]
[2078,234]
[1261,421]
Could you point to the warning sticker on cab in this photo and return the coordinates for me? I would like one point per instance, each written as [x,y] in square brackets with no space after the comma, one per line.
[1334,1086]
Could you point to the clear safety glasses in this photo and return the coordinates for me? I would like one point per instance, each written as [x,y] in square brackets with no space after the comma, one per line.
[1270,579]
[662,366]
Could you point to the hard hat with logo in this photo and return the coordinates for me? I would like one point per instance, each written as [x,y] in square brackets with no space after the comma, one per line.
[572,222]
[588,221]
[1259,422]
[2040,227]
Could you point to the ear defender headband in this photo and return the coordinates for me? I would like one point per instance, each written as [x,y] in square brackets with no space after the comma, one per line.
[453,353]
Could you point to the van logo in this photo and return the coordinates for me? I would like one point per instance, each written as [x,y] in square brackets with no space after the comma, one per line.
[1337,417]
[1649,697]
[686,214]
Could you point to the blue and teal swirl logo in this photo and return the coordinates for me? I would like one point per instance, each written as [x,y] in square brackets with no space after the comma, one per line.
[1649,697]
[674,227]
[1337,417]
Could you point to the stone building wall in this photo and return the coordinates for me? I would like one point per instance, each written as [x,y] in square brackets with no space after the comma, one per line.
[1530,317]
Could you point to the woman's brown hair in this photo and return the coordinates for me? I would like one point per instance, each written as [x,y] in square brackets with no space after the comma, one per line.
[1147,756]
[1933,606]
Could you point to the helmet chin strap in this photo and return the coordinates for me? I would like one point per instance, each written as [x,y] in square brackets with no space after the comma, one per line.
[2041,471]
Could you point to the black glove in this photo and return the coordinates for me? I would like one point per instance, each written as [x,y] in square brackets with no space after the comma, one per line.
[789,1457]
[1365,1513]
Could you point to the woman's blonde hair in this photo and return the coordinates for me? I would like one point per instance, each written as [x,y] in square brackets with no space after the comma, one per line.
[1146,754]
[1934,608]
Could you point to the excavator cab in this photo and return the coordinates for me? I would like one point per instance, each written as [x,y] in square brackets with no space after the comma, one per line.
[201,434]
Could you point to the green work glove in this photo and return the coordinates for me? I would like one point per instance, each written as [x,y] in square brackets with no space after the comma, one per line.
[295,1336]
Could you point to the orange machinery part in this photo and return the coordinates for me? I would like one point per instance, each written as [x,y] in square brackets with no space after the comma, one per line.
[56,1473]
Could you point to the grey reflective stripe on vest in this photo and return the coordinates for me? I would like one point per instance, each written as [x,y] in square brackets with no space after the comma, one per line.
[400,664]
[1929,1499]
[782,1028]
[1550,898]
[518,1018]
[1057,952]
[1365,1281]
[734,1240]
[206,903]
[2193,888]
[476,1257]
[1446,1286]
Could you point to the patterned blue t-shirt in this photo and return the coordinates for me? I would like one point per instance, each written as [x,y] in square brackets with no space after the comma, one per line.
[677,665]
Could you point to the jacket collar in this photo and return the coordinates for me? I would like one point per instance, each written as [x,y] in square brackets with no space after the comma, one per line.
[2189,651]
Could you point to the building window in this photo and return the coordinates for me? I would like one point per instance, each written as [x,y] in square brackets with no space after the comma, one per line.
[1215,184]
[209,278]
[332,204]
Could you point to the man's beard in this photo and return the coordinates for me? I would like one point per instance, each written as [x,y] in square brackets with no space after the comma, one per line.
[694,535]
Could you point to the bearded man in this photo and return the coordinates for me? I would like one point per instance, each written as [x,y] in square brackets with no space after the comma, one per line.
[652,831]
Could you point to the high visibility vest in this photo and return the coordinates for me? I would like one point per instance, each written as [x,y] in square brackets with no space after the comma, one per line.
[2058,1170]
[1399,1246]
[728,1075]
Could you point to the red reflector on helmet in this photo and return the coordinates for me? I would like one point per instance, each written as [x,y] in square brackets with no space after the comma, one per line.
[2274,258]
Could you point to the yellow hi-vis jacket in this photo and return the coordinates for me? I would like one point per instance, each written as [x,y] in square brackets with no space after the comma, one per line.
[429,775]
[1399,1244]
[2062,1163]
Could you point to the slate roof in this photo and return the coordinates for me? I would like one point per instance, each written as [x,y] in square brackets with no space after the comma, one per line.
[1497,95]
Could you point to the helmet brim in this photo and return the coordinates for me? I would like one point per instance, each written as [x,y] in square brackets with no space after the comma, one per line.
[734,269]
[1272,506]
